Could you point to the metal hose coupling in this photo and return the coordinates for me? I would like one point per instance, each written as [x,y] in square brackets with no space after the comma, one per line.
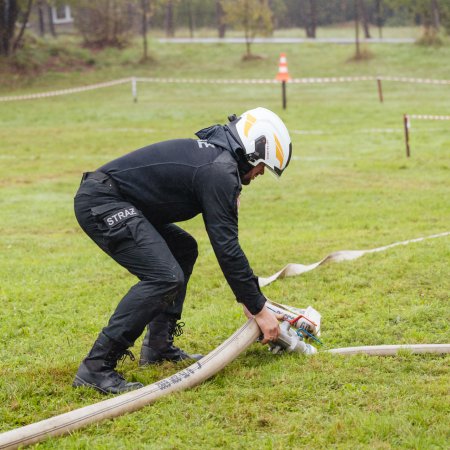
[289,341]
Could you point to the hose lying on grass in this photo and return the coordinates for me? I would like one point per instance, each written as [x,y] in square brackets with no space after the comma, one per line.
[292,269]
[185,378]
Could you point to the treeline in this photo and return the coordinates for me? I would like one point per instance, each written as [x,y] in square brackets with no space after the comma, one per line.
[307,14]
[114,22]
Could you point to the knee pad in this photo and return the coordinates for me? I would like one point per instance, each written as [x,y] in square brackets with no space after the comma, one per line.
[175,284]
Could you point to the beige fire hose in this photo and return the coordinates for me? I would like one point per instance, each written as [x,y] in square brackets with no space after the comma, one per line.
[292,269]
[185,378]
[392,350]
[201,370]
[131,401]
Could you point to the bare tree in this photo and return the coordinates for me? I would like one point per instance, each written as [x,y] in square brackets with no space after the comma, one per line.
[26,16]
[191,17]
[221,25]
[365,19]
[169,19]
[357,42]
[311,21]
[40,9]
[435,14]
[145,10]
[51,24]
[10,12]
[252,16]
[104,23]
[379,13]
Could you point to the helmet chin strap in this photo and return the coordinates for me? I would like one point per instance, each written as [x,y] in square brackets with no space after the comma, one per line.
[243,165]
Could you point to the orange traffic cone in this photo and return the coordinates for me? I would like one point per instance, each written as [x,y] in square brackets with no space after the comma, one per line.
[283,74]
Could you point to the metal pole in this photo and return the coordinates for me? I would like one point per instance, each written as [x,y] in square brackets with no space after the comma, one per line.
[283,88]
[406,126]
[380,90]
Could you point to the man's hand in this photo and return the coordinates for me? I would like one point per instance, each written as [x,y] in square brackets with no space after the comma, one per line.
[268,323]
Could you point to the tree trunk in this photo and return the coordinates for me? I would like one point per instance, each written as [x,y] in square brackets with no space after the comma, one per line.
[358,51]
[311,20]
[10,11]
[365,19]
[191,19]
[51,25]
[379,10]
[221,26]
[41,19]
[435,14]
[170,30]
[301,16]
[25,18]
[144,6]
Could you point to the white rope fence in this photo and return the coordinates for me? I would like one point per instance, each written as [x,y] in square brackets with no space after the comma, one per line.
[427,117]
[219,81]
[65,91]
[407,125]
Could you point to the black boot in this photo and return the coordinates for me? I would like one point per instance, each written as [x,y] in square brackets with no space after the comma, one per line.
[158,342]
[97,369]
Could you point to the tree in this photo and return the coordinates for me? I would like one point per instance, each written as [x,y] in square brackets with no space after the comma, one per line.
[25,17]
[145,14]
[252,16]
[380,18]
[169,19]
[104,23]
[365,19]
[311,22]
[11,11]
[357,19]
[220,15]
[425,12]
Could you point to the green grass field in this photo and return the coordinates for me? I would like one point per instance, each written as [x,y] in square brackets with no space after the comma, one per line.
[349,186]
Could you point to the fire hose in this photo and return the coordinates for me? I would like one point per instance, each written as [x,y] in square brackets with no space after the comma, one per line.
[296,326]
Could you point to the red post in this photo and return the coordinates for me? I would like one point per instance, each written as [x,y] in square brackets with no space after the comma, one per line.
[380,90]
[406,126]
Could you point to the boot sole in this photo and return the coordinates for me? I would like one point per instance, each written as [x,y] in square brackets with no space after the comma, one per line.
[79,382]
[162,360]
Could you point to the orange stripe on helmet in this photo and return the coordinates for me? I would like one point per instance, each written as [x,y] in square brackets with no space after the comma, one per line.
[279,151]
[249,122]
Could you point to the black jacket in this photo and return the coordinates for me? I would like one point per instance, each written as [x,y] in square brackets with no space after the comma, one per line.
[175,180]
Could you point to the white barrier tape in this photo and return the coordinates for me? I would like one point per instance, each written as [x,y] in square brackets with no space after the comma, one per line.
[414,80]
[331,80]
[427,117]
[209,81]
[344,255]
[310,80]
[217,81]
[65,91]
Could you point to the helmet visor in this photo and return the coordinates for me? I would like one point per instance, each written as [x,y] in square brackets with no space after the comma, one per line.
[260,149]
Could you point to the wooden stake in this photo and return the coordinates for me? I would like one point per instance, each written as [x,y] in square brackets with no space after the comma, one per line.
[380,90]
[406,126]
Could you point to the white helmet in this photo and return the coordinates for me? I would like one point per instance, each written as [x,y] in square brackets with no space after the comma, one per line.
[264,138]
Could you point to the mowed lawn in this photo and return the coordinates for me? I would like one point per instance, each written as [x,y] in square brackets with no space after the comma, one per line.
[349,186]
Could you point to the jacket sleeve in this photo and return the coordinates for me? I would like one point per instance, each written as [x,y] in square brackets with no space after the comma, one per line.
[218,188]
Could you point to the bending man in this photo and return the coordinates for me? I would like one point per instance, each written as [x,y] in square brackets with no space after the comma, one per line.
[128,208]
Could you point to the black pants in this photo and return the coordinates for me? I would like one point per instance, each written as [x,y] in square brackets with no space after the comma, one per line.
[161,256]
